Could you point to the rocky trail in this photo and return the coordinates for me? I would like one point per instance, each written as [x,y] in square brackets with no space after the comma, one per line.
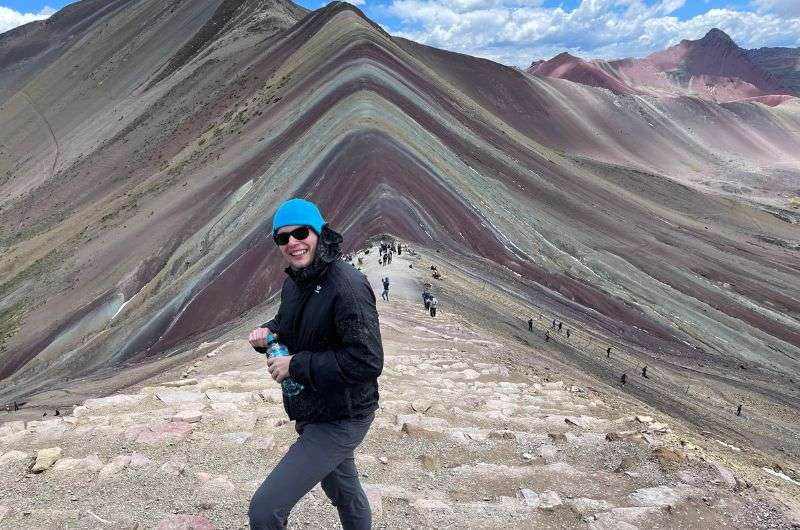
[463,439]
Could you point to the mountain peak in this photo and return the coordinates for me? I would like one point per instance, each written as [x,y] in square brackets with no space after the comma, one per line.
[716,35]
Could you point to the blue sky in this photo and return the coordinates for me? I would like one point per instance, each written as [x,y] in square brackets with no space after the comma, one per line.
[518,31]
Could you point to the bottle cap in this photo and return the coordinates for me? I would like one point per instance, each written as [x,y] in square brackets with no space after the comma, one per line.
[271,338]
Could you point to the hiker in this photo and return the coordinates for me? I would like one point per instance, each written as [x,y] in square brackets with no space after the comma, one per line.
[399,249]
[433,302]
[329,322]
[530,324]
[644,372]
[554,324]
[390,257]
[16,407]
[739,410]
[385,293]
[608,353]
[567,332]
[547,336]
[426,296]
[623,379]
[559,327]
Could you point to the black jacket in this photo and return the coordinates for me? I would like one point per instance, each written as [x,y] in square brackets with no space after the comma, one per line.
[328,321]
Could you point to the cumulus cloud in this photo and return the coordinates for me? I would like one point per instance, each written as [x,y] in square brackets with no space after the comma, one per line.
[10,19]
[787,8]
[518,31]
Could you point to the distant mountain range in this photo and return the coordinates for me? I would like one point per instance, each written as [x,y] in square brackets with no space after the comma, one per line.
[713,68]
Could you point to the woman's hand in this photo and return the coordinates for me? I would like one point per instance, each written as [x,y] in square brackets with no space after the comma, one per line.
[258,337]
[279,367]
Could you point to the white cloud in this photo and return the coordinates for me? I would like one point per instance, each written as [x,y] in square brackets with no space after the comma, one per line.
[358,2]
[10,19]
[518,31]
[787,8]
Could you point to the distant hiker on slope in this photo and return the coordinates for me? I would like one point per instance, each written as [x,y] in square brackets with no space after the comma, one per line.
[530,324]
[426,296]
[433,304]
[385,293]
[328,321]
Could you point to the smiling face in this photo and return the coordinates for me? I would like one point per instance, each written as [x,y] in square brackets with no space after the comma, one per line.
[299,253]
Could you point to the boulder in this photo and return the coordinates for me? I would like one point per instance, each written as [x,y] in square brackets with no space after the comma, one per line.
[179,396]
[173,467]
[163,433]
[115,466]
[89,463]
[659,496]
[529,498]
[45,458]
[549,453]
[12,456]
[138,460]
[217,486]
[549,500]
[188,416]
[241,398]
[727,476]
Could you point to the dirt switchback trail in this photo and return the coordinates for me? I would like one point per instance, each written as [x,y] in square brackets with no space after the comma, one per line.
[464,438]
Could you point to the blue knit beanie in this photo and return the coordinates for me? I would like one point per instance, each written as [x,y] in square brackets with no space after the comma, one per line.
[298,212]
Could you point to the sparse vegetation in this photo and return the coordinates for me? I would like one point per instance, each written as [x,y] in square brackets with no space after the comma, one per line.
[10,319]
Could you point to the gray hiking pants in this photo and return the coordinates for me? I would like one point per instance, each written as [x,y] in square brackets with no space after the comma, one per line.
[322,453]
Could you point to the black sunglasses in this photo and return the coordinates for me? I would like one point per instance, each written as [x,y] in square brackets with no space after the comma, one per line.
[299,234]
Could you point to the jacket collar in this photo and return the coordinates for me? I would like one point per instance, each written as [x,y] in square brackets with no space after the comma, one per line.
[328,251]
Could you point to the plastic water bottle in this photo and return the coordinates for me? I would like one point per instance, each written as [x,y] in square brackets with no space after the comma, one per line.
[276,349]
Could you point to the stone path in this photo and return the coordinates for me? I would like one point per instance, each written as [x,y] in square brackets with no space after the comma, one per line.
[462,440]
